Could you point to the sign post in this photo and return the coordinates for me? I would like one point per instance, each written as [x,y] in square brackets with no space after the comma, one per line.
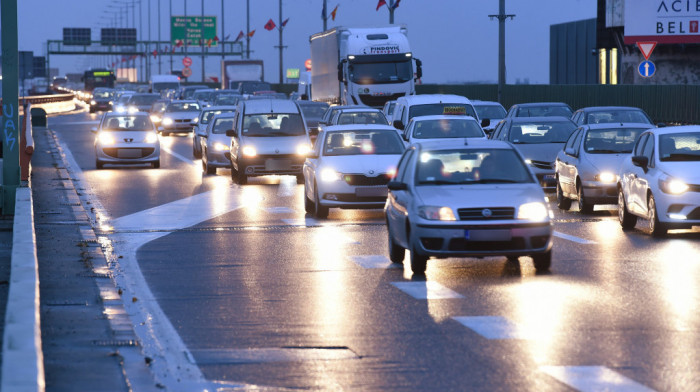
[10,106]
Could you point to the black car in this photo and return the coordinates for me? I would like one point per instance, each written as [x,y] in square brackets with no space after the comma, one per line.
[313,112]
[102,99]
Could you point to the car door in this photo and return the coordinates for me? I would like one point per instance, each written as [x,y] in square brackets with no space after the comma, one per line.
[566,162]
[408,133]
[398,201]
[645,177]
[310,165]
[236,138]
[631,175]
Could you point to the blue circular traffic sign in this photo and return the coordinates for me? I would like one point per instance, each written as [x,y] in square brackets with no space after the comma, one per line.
[646,69]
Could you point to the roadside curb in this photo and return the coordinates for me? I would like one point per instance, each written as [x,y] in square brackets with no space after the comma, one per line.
[23,362]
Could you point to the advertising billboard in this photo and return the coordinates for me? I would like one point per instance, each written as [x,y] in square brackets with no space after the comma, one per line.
[662,21]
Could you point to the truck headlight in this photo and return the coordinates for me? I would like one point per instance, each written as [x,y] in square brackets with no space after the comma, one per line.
[167,121]
[249,151]
[436,213]
[220,147]
[673,186]
[105,139]
[329,175]
[152,138]
[535,211]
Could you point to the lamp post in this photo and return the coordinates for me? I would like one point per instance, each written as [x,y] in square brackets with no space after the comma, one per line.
[247,24]
[201,43]
[502,16]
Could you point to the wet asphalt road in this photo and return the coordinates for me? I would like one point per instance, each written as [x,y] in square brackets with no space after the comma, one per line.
[265,296]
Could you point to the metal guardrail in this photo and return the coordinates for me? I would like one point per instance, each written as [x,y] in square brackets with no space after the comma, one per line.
[38,99]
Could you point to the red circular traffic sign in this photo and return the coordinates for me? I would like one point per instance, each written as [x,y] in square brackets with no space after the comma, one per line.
[307,64]
[187,72]
[187,61]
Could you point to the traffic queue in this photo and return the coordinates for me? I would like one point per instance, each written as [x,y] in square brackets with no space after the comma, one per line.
[456,178]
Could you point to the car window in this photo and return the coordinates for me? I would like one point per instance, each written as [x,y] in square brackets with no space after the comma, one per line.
[127,123]
[490,111]
[364,142]
[544,111]
[618,116]
[679,147]
[313,111]
[403,164]
[317,144]
[572,138]
[639,147]
[471,166]
[273,124]
[345,118]
[541,132]
[446,128]
[183,107]
[649,148]
[207,115]
[611,141]
[577,142]
[221,125]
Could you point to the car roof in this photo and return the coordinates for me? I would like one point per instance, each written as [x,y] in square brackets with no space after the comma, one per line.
[606,108]
[145,95]
[450,144]
[215,108]
[312,103]
[359,127]
[434,98]
[618,125]
[223,115]
[361,110]
[486,103]
[524,120]
[117,114]
[535,104]
[676,129]
[441,117]
[268,105]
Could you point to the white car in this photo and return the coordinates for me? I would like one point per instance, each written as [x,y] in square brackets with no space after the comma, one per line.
[126,139]
[358,115]
[660,182]
[214,144]
[350,167]
[201,123]
[470,200]
[432,128]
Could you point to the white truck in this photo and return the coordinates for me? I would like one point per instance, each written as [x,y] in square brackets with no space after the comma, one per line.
[362,66]
[158,83]
[235,71]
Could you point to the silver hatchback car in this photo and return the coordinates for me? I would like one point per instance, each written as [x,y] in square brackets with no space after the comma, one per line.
[476,198]
[126,139]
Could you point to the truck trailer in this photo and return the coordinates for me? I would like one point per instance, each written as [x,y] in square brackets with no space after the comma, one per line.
[362,66]
[235,71]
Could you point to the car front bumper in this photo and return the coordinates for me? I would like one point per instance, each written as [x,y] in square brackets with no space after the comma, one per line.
[596,192]
[670,208]
[123,154]
[263,165]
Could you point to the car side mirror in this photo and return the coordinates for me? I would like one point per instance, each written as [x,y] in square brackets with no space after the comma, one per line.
[661,125]
[569,151]
[231,133]
[485,122]
[419,69]
[641,161]
[404,136]
[398,124]
[397,186]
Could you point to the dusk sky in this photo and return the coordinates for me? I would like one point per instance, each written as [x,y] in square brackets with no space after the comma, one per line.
[455,39]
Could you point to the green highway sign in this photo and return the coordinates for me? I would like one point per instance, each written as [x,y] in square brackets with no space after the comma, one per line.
[292,73]
[193,30]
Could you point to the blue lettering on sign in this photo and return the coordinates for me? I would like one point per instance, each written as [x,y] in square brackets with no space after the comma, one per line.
[8,111]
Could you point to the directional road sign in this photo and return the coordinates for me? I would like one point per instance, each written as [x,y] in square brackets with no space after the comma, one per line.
[193,30]
[646,69]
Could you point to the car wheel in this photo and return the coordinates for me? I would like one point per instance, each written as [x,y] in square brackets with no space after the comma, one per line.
[156,164]
[98,164]
[627,220]
[418,261]
[205,165]
[319,210]
[542,261]
[396,252]
[584,207]
[658,229]
[308,204]
[300,179]
[563,202]
[197,152]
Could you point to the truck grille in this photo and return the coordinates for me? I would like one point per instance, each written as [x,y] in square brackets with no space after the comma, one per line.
[379,100]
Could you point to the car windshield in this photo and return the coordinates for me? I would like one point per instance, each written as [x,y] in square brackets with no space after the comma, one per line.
[372,73]
[618,116]
[273,124]
[541,132]
[183,107]
[446,128]
[544,111]
[362,118]
[679,147]
[611,141]
[437,109]
[124,99]
[102,94]
[144,99]
[127,123]
[490,111]
[206,116]
[313,111]
[222,125]
[390,108]
[471,166]
[362,142]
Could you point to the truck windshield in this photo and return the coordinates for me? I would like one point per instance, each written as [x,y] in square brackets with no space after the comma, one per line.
[373,73]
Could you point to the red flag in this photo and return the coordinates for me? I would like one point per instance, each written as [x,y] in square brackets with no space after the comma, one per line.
[396,4]
[216,39]
[240,35]
[155,53]
[335,11]
[178,43]
[285,22]
[380,4]
[270,25]
[251,34]
[209,43]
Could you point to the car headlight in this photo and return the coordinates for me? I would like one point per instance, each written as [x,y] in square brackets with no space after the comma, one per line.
[535,211]
[249,151]
[436,213]
[152,138]
[606,177]
[220,147]
[303,149]
[111,103]
[329,175]
[132,110]
[120,109]
[167,121]
[195,120]
[105,138]
[673,186]
[93,102]
[155,118]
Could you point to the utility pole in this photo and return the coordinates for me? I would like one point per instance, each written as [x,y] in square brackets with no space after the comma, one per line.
[391,11]
[160,71]
[172,49]
[148,55]
[247,24]
[502,16]
[10,113]
[140,35]
[324,15]
[221,41]
[201,42]
[281,46]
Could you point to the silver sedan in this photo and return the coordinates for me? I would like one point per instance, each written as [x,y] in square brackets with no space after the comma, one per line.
[126,139]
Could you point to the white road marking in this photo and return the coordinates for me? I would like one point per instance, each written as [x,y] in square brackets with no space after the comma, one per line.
[491,327]
[267,355]
[574,238]
[374,261]
[426,290]
[278,210]
[178,156]
[593,378]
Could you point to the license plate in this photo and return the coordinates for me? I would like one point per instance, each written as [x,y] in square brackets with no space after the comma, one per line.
[487,235]
[371,192]
[277,164]
[129,153]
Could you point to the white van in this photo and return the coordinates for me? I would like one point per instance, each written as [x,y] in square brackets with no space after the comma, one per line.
[430,105]
[159,83]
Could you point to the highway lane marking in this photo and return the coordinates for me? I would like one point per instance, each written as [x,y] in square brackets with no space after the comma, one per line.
[492,327]
[178,156]
[426,290]
[593,378]
[374,261]
[269,355]
[574,238]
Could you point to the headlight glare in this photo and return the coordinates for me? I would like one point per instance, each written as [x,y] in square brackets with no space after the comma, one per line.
[535,211]
[607,177]
[673,186]
[249,151]
[167,121]
[132,110]
[152,138]
[303,149]
[436,213]
[220,147]
[105,138]
[155,119]
[329,175]
[93,102]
